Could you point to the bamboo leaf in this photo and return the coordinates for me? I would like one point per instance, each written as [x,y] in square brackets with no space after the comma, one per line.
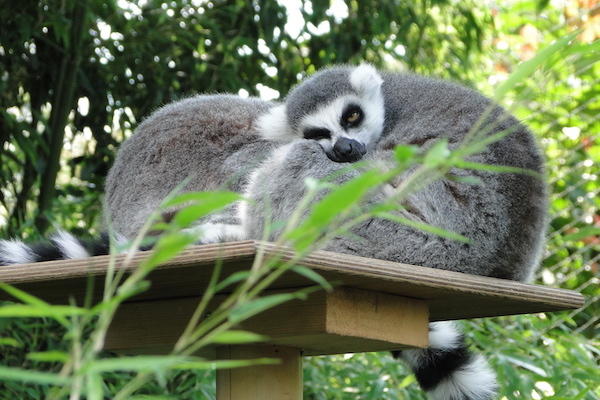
[23,310]
[94,386]
[7,341]
[496,168]
[168,247]
[237,337]
[135,363]
[251,308]
[527,68]
[437,154]
[582,233]
[227,364]
[337,202]
[424,227]
[312,275]
[231,279]
[29,376]
[49,356]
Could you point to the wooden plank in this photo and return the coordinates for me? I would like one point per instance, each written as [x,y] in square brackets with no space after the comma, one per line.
[343,321]
[281,381]
[450,295]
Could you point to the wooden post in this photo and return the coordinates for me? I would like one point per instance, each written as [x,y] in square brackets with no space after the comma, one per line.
[281,381]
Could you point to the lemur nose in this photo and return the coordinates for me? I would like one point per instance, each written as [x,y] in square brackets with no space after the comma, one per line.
[347,150]
[343,146]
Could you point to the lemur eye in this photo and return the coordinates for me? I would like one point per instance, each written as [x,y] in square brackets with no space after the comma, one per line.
[317,133]
[352,116]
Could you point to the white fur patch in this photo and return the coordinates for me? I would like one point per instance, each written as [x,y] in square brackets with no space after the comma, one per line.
[443,335]
[217,233]
[15,252]
[69,246]
[475,381]
[273,125]
[366,80]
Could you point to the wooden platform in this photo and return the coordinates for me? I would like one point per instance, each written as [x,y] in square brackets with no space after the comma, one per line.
[449,295]
[376,305]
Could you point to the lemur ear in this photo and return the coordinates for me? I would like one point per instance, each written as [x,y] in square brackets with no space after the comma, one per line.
[273,125]
[366,80]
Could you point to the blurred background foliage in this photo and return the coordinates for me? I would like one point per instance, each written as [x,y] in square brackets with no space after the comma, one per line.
[76,76]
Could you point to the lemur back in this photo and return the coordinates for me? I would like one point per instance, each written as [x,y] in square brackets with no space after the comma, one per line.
[209,140]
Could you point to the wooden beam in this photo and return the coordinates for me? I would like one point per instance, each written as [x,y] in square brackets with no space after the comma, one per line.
[343,321]
[281,381]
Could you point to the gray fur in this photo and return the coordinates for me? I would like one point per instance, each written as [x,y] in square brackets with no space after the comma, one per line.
[212,140]
[504,216]
[208,139]
[318,89]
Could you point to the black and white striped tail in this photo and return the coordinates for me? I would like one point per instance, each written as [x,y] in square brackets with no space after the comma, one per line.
[447,370]
[61,246]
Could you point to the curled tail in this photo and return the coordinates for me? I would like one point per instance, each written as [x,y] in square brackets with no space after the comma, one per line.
[447,370]
[61,246]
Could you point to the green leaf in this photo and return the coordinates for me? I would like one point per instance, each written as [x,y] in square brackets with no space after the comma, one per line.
[7,341]
[469,180]
[339,201]
[583,233]
[237,337]
[525,364]
[29,376]
[231,279]
[437,154]
[527,68]
[49,356]
[312,275]
[22,310]
[226,364]
[94,386]
[167,247]
[23,296]
[135,363]
[405,153]
[424,227]
[32,301]
[496,168]
[203,203]
[253,307]
[193,213]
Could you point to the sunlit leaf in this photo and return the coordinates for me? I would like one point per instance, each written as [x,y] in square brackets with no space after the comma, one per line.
[22,310]
[437,154]
[312,275]
[49,356]
[7,341]
[529,67]
[253,307]
[237,337]
[30,376]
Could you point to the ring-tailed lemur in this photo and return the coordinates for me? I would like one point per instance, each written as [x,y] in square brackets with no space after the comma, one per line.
[351,113]
[504,216]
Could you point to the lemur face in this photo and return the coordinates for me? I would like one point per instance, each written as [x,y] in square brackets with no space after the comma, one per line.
[345,128]
[347,120]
